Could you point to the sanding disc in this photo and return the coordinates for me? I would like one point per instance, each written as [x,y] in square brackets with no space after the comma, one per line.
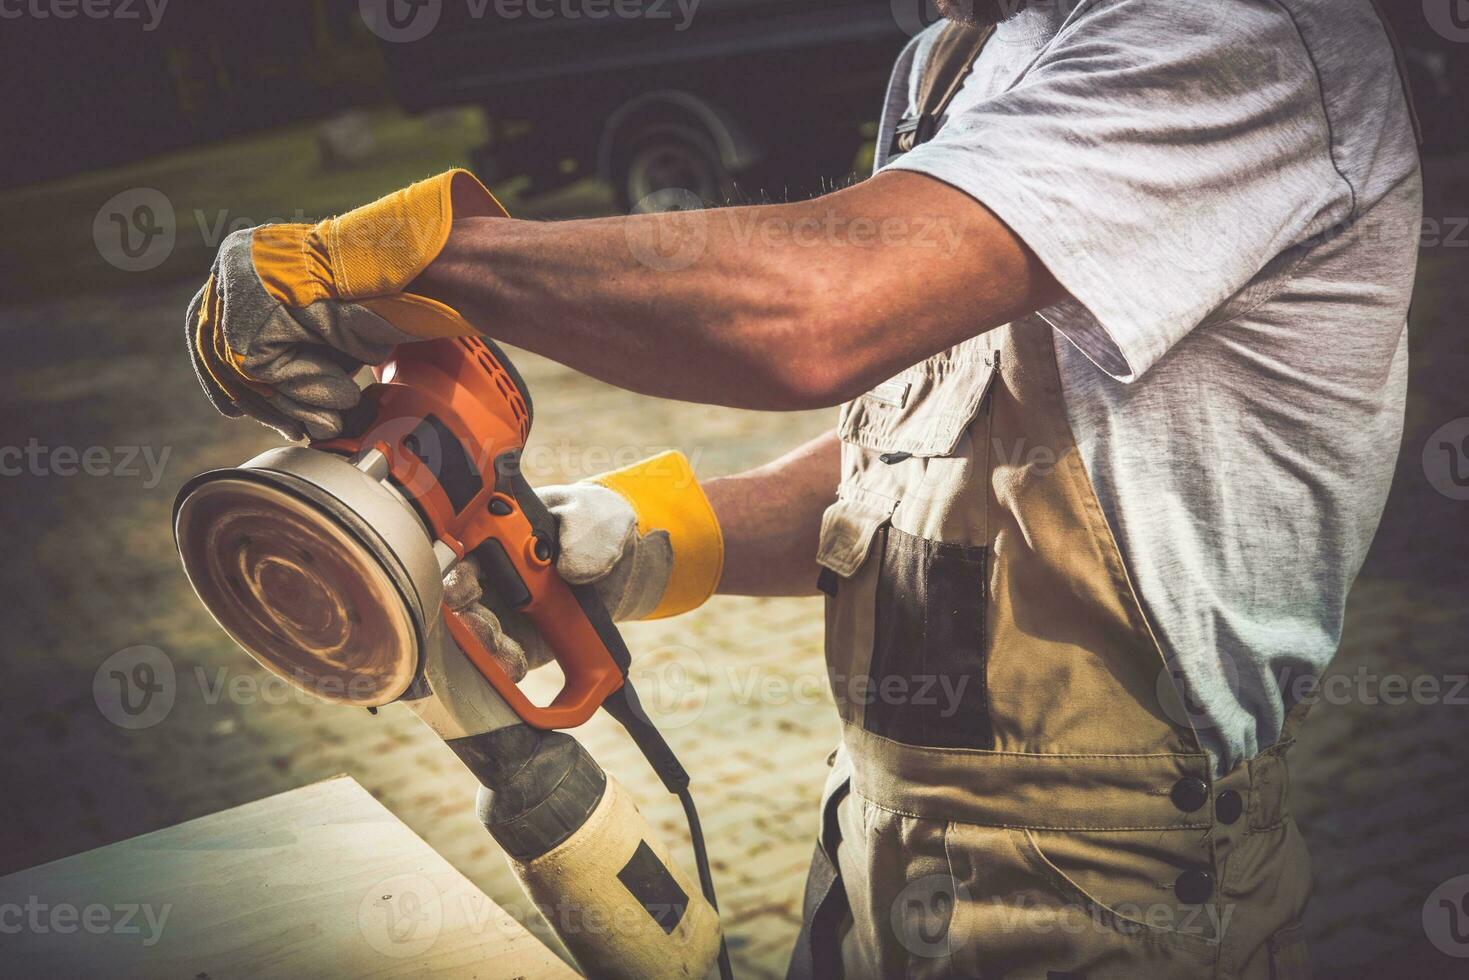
[297,591]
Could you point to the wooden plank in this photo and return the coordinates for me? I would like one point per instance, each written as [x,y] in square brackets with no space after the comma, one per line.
[320,881]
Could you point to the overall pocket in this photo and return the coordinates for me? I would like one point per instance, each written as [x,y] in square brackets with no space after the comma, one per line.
[905,551]
[927,674]
[924,410]
[1096,906]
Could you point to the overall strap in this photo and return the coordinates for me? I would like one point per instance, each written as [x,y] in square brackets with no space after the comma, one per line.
[949,64]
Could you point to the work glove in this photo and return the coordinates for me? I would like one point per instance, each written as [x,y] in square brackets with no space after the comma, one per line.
[645,537]
[291,312]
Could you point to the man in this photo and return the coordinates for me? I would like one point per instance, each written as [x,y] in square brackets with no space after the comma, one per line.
[1121,353]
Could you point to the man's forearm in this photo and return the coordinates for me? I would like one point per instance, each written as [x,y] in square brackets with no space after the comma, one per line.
[771,519]
[772,307]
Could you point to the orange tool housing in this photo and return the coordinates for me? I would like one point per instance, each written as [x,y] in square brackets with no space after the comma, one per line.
[451,417]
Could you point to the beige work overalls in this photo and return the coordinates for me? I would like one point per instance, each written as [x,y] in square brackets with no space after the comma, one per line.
[1020,792]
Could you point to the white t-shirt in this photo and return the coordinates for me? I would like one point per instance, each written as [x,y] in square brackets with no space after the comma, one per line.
[1230,191]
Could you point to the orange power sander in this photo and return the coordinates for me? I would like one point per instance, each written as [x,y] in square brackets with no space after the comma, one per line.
[325,563]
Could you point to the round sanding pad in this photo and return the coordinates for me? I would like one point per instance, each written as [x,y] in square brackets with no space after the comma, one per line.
[297,591]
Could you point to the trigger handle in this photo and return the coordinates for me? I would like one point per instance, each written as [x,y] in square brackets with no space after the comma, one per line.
[546,528]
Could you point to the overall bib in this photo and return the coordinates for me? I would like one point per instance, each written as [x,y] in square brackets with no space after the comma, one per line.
[1020,792]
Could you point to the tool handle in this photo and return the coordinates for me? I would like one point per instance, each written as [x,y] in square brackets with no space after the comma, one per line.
[588,682]
[518,563]
[546,528]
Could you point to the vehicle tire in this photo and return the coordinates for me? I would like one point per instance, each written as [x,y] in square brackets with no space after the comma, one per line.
[676,155]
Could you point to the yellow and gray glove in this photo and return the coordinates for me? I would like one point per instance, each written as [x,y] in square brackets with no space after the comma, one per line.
[645,536]
[290,312]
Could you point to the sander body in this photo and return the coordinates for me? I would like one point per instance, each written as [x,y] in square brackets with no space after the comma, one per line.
[325,563]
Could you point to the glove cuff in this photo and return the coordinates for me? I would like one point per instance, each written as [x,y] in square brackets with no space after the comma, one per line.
[379,248]
[665,496]
[371,254]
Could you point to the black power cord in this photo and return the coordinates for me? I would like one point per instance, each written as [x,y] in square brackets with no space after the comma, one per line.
[624,705]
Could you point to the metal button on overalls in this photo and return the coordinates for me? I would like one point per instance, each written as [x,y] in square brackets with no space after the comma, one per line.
[1189,794]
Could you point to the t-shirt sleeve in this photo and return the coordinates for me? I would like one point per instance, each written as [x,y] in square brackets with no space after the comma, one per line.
[1156,157]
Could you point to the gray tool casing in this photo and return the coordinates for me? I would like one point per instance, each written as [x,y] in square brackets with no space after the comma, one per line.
[537,788]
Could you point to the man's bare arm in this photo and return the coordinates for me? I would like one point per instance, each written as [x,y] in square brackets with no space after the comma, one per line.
[771,307]
[771,518]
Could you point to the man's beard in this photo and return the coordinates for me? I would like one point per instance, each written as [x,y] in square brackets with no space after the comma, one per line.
[980,13]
